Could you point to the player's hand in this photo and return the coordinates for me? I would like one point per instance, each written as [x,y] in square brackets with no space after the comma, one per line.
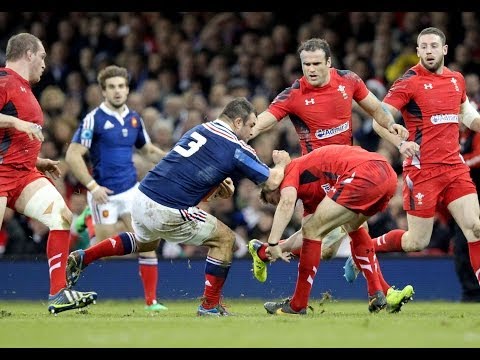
[49,167]
[280,157]
[34,131]
[225,189]
[409,148]
[100,194]
[399,130]
[275,252]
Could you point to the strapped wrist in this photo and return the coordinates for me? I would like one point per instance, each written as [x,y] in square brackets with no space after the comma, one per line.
[401,143]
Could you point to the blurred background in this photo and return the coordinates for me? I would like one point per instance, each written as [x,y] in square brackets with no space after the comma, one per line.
[185,66]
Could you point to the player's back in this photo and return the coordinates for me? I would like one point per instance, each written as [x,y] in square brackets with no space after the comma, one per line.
[200,160]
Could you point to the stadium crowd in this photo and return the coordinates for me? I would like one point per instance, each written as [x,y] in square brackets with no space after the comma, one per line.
[184,68]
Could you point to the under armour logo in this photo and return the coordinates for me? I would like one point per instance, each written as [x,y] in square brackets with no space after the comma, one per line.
[309,102]
[428,86]
[419,198]
[23,89]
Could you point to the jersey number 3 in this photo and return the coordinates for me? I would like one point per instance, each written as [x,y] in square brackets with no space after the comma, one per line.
[193,146]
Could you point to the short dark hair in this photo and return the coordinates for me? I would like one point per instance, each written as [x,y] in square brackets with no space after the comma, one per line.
[19,44]
[238,107]
[109,72]
[315,44]
[433,31]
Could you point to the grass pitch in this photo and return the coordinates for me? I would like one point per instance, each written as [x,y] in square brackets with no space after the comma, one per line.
[333,324]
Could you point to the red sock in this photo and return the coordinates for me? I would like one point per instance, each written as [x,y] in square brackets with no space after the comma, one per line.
[148,271]
[364,251]
[216,272]
[261,252]
[58,246]
[389,242]
[118,245]
[307,269]
[383,282]
[474,250]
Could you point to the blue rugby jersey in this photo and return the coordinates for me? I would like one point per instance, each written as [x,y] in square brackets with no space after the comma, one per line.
[110,138]
[201,159]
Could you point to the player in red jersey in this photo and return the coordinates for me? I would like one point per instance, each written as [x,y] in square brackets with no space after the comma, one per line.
[432,100]
[319,105]
[24,186]
[339,185]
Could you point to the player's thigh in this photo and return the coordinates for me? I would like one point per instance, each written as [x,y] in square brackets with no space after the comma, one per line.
[40,200]
[327,217]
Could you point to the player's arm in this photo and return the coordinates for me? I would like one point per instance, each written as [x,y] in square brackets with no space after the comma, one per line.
[265,121]
[469,116]
[31,129]
[281,219]
[281,159]
[152,152]
[382,114]
[75,160]
[406,148]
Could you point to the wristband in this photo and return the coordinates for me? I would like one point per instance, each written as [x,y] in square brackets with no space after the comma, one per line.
[272,245]
[401,143]
[95,189]
[90,183]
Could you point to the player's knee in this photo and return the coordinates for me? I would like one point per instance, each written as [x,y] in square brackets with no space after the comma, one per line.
[476,231]
[412,243]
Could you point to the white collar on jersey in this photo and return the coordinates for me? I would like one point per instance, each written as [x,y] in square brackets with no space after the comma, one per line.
[115,114]
[224,124]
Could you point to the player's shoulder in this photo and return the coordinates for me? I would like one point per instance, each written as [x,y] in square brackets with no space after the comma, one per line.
[452,73]
[345,74]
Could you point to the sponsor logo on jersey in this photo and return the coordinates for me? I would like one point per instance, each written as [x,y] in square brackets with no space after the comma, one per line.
[444,119]
[328,133]
[105,213]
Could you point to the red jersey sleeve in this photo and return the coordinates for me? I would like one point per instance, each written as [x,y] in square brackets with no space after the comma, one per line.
[281,105]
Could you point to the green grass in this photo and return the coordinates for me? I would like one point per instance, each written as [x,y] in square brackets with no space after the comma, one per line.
[333,324]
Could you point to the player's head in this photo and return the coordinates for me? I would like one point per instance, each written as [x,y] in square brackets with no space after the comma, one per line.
[113,81]
[316,60]
[270,196]
[27,50]
[432,48]
[241,114]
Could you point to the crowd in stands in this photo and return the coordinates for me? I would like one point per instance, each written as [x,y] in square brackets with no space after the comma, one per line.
[185,67]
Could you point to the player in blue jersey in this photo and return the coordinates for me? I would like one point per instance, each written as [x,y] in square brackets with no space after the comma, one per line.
[109,134]
[166,200]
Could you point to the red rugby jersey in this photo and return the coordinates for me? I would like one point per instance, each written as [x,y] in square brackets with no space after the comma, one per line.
[315,173]
[17,99]
[321,115]
[430,104]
